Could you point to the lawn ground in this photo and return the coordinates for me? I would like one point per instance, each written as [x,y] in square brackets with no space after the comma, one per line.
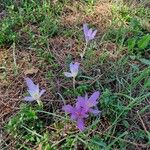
[39,39]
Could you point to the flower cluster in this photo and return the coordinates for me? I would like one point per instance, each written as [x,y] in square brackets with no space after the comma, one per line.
[83,107]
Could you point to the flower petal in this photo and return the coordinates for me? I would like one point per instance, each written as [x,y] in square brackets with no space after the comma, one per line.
[68,108]
[42,92]
[74,68]
[30,84]
[73,116]
[83,102]
[86,96]
[28,98]
[67,74]
[93,99]
[85,29]
[37,88]
[80,124]
[90,33]
[94,111]
[80,102]
[31,92]
[80,98]
[93,34]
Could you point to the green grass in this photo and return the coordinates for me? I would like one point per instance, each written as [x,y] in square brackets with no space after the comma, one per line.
[122,75]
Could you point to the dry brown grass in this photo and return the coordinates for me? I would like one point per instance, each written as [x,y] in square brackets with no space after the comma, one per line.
[12,87]
[76,14]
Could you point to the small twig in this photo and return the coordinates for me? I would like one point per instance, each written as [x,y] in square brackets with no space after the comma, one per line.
[14,57]
[62,98]
[33,132]
[3,67]
[144,127]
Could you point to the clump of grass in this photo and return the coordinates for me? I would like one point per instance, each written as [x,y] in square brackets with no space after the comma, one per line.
[128,30]
[27,118]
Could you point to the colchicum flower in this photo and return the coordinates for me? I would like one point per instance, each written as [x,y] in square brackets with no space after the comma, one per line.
[74,68]
[34,91]
[88,33]
[90,104]
[83,107]
[78,114]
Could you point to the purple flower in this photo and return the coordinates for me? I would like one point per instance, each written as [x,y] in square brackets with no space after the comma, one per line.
[88,33]
[74,70]
[90,105]
[78,114]
[83,107]
[34,91]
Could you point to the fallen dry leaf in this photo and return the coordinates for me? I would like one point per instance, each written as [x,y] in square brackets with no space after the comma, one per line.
[40,147]
[31,71]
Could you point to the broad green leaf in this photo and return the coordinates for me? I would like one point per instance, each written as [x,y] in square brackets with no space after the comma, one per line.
[147,83]
[144,41]
[131,43]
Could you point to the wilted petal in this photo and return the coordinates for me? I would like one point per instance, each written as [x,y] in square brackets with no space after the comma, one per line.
[28,98]
[67,74]
[80,124]
[42,92]
[68,108]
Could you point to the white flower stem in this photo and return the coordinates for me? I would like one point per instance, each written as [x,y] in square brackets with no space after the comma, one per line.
[74,80]
[84,50]
[39,102]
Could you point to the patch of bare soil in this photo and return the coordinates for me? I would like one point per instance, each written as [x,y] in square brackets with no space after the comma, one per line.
[12,86]
[99,15]
[63,47]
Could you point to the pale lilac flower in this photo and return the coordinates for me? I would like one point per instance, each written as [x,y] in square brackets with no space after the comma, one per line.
[74,68]
[88,33]
[90,105]
[78,114]
[34,91]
